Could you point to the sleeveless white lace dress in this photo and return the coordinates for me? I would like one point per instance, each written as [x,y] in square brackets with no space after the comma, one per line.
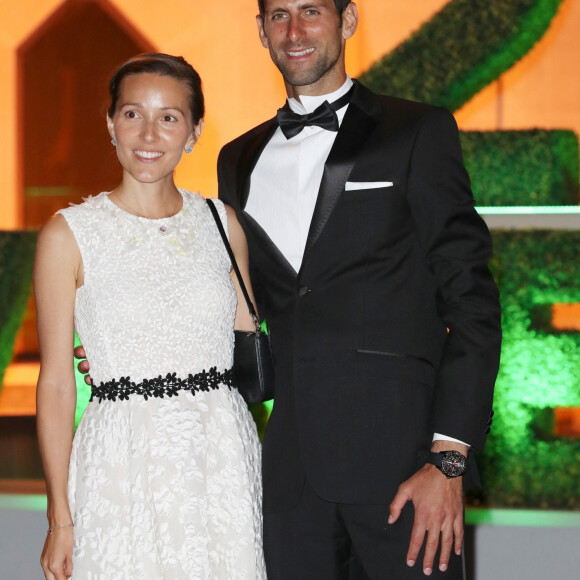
[161,487]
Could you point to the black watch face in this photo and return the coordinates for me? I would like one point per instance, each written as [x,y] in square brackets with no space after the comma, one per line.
[453,464]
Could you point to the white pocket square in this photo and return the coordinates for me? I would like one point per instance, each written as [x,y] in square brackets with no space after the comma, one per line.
[354,185]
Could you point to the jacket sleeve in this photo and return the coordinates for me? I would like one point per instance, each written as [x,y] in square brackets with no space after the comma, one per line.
[226,177]
[457,246]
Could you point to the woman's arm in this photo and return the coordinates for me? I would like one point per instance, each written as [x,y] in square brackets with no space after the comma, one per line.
[57,274]
[239,246]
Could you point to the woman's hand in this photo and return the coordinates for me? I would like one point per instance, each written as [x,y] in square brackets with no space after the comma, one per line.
[56,558]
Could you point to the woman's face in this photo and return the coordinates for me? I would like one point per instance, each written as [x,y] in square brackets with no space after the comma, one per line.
[152,125]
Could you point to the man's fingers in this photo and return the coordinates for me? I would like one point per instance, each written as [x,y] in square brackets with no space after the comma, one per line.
[84,367]
[443,536]
[397,505]
[417,539]
[431,546]
[458,531]
[446,545]
[79,352]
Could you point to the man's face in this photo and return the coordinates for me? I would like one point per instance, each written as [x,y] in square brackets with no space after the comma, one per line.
[306,43]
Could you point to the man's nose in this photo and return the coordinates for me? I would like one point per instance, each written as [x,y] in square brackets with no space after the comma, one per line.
[295,29]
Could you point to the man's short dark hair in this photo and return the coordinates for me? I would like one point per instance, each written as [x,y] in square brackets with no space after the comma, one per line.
[340,6]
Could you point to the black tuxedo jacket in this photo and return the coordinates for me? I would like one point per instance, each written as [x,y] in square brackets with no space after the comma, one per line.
[390,331]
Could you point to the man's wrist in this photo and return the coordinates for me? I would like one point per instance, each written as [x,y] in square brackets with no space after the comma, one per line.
[443,445]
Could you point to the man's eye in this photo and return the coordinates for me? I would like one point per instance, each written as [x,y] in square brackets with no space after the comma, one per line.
[278,16]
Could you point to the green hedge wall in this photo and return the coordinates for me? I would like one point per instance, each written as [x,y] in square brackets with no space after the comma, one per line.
[463,48]
[16,258]
[534,167]
[524,465]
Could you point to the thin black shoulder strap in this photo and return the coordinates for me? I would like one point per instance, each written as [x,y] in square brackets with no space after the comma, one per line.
[220,226]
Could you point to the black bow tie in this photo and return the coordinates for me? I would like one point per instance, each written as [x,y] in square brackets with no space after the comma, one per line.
[324,116]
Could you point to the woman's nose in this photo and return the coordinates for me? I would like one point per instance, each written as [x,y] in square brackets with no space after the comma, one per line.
[149,130]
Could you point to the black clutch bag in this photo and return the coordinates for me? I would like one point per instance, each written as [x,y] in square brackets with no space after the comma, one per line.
[253,365]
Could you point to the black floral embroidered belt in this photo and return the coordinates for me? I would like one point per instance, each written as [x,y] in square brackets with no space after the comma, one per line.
[159,387]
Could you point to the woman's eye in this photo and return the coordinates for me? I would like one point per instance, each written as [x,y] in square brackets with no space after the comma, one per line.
[169,118]
[131,115]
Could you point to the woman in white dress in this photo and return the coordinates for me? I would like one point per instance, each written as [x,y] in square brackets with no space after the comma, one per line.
[162,478]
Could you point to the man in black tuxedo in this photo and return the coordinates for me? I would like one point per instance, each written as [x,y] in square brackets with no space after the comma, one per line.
[369,263]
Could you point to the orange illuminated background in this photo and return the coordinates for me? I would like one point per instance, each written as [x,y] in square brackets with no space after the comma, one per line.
[56,57]
[566,317]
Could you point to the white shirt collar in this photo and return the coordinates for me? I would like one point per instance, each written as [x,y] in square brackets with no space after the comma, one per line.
[307,104]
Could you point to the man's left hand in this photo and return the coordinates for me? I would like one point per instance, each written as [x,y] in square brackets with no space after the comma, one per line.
[438,505]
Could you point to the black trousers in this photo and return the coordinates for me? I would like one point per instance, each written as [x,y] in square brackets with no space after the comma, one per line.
[320,540]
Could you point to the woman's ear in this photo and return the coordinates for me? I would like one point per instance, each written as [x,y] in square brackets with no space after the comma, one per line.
[111,127]
[196,133]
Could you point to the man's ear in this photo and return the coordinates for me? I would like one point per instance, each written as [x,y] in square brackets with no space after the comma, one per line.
[261,31]
[349,21]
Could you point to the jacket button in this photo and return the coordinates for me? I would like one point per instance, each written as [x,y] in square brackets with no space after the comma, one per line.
[303,290]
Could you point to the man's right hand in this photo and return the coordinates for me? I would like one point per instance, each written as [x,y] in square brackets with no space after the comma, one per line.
[83,366]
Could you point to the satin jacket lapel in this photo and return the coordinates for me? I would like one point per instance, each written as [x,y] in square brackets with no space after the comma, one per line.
[355,129]
[248,159]
[267,245]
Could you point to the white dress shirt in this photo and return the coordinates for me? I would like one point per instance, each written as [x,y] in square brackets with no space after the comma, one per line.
[285,182]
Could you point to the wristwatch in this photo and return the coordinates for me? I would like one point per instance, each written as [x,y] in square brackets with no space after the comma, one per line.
[450,463]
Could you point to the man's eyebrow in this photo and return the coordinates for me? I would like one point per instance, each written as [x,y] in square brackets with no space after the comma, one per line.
[308,5]
[305,6]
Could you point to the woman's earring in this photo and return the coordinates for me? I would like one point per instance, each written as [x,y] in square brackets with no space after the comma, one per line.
[188,149]
[114,142]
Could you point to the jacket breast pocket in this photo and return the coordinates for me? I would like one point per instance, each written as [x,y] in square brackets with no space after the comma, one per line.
[367,194]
